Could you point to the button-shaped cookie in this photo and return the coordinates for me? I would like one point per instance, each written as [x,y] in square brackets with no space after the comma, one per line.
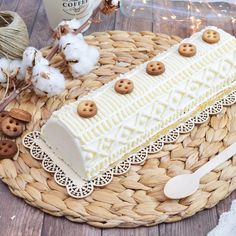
[211,36]
[155,68]
[87,109]
[20,114]
[11,127]
[187,49]
[124,86]
[3,115]
[8,149]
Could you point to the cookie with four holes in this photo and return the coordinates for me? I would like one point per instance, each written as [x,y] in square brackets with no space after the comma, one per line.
[155,68]
[187,49]
[87,109]
[3,115]
[211,36]
[124,86]
[8,149]
[11,127]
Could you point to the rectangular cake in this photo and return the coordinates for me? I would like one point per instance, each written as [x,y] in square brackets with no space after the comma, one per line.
[124,123]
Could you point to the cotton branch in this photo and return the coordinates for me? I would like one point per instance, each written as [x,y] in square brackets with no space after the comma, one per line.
[12,96]
[79,30]
[105,7]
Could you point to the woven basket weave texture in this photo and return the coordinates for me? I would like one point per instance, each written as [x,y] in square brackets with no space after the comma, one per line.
[137,197]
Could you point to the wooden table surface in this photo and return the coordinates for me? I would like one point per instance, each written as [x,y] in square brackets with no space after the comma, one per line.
[17,218]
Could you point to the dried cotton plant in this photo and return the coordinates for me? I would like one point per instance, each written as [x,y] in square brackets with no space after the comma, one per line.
[33,71]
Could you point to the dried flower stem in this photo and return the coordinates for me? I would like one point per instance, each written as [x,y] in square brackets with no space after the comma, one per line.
[12,96]
[7,87]
[53,52]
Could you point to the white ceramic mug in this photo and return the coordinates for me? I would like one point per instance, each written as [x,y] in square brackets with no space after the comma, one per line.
[59,10]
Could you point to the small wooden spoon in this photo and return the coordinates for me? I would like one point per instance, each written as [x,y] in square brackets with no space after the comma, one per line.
[182,186]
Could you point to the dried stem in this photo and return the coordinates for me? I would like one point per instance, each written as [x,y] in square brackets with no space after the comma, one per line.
[12,96]
[53,52]
[7,88]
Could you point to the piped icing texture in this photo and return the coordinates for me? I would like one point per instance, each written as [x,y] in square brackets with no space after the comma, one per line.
[124,123]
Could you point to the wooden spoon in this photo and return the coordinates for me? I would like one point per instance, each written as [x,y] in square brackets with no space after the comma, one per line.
[182,186]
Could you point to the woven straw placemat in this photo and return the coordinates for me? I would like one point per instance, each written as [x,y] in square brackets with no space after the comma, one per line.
[135,198]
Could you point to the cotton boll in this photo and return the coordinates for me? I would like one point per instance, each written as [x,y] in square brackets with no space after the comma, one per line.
[14,67]
[81,57]
[3,77]
[31,57]
[86,63]
[75,52]
[63,41]
[83,67]
[48,80]
[22,73]
[4,65]
[71,54]
[38,69]
[39,58]
[41,66]
[67,40]
[80,36]
[93,54]
[43,61]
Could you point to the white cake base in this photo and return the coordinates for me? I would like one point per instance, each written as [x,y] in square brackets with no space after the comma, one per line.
[79,188]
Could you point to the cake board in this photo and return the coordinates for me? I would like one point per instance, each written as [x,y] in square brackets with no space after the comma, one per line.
[135,198]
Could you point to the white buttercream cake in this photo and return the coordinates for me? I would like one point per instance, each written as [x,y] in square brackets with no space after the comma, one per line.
[123,123]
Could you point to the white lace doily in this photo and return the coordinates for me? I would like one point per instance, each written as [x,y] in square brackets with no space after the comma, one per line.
[79,188]
[227,223]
